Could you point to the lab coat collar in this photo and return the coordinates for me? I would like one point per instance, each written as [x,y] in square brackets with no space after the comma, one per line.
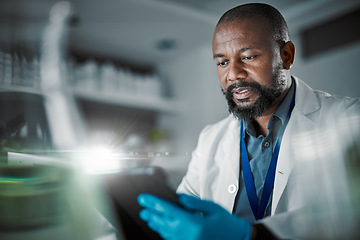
[305,100]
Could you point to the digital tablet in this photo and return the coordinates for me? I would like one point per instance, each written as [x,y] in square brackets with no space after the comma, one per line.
[123,189]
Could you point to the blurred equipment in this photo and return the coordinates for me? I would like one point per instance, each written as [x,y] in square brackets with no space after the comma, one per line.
[64,119]
[352,164]
[12,126]
[23,123]
[42,199]
[31,196]
[48,202]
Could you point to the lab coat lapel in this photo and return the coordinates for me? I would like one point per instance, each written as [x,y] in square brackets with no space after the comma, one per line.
[305,103]
[231,147]
[231,151]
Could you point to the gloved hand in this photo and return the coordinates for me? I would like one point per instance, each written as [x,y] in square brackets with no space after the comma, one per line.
[197,220]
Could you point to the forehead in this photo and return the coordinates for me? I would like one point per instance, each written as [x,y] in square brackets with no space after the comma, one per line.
[247,31]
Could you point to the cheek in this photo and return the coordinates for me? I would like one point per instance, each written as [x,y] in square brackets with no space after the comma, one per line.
[263,72]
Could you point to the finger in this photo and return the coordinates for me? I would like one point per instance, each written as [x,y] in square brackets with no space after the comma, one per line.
[156,222]
[145,215]
[158,204]
[196,204]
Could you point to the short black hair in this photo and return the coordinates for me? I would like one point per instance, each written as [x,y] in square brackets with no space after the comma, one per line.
[279,28]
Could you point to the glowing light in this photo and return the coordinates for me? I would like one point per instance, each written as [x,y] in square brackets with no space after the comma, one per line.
[99,160]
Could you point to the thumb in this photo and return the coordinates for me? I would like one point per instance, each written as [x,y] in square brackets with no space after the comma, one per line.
[196,204]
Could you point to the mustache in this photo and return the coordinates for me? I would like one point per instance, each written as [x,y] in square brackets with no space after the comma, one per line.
[254,85]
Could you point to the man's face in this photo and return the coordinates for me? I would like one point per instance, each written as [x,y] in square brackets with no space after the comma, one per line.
[249,67]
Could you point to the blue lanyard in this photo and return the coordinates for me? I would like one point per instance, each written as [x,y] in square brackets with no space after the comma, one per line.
[259,209]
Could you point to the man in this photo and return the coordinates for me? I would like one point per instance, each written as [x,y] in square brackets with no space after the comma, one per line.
[251,163]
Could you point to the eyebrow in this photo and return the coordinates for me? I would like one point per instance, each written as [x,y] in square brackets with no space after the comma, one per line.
[240,50]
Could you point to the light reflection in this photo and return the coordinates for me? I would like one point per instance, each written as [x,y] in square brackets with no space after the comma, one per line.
[99,160]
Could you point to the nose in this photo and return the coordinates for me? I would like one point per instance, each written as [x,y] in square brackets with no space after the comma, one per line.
[236,72]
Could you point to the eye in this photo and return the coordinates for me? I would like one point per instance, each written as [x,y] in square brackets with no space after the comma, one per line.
[222,63]
[248,58]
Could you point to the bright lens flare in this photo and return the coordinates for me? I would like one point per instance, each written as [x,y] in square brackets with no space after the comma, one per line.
[99,160]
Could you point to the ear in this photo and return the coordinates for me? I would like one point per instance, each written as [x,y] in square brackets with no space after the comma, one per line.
[288,54]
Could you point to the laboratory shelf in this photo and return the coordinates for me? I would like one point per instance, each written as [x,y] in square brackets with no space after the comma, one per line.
[22,89]
[126,100]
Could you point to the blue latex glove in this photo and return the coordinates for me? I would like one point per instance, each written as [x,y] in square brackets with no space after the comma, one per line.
[198,219]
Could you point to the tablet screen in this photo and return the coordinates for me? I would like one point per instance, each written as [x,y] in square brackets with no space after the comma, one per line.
[123,189]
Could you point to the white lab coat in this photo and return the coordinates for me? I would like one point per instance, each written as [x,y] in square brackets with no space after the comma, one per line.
[213,173]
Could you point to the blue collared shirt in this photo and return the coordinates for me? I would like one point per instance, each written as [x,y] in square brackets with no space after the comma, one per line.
[260,150]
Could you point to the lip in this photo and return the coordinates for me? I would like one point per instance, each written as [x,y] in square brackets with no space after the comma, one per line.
[242,93]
